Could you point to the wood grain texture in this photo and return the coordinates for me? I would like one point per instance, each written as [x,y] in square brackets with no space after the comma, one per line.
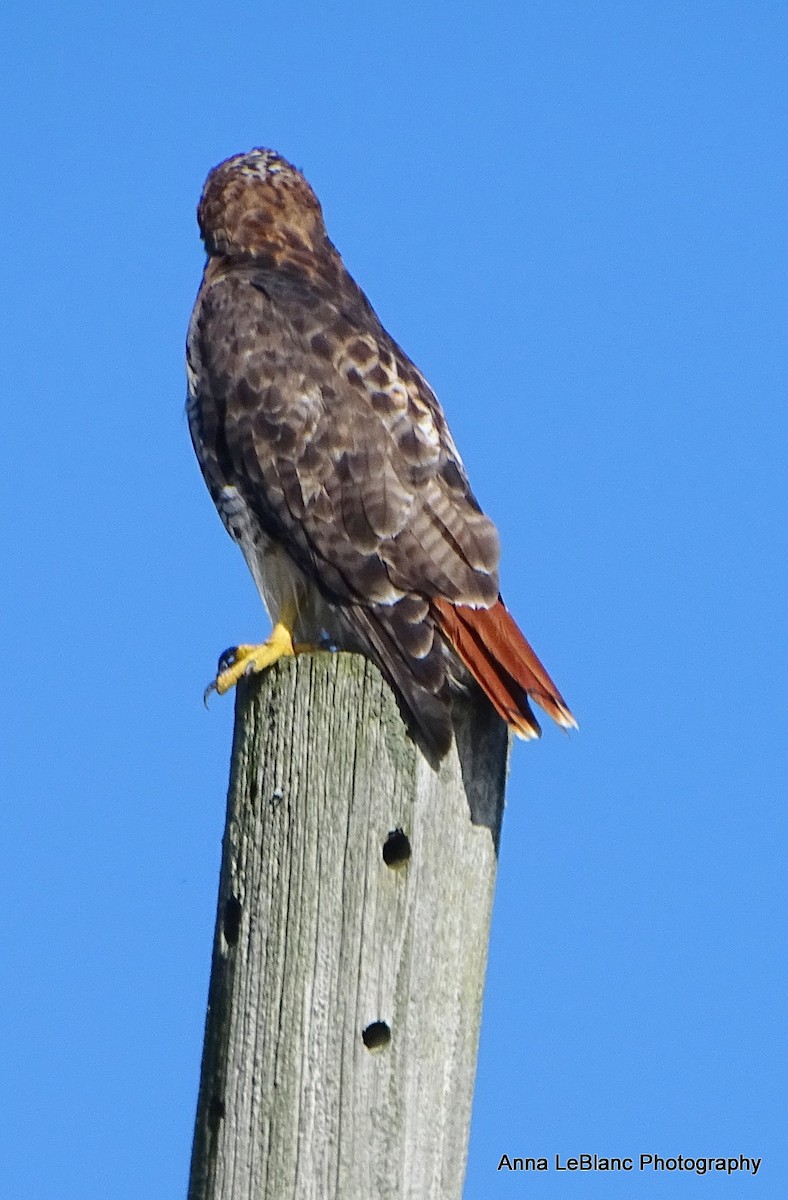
[321,943]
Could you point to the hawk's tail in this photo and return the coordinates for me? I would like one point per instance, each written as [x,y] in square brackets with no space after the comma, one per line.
[489,643]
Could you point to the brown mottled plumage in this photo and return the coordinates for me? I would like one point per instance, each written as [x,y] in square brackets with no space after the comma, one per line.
[330,462]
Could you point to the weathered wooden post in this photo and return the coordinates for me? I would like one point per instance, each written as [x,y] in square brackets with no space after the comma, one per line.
[351,943]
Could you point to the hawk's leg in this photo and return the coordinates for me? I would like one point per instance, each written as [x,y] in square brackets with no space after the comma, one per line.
[248,660]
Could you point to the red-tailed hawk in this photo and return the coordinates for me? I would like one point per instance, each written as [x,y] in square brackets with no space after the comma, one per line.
[331,464]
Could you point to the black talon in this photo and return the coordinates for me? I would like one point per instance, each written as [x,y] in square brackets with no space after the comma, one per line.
[227,659]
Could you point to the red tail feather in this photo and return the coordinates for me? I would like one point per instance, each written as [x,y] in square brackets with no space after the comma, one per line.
[491,646]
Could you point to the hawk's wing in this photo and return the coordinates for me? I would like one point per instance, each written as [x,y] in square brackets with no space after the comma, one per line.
[339,444]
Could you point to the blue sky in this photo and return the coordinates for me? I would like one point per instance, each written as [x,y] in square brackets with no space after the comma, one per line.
[572,215]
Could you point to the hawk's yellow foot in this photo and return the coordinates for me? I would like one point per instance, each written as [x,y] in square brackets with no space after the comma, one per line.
[247,660]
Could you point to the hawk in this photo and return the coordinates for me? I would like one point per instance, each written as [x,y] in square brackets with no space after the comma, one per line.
[332,466]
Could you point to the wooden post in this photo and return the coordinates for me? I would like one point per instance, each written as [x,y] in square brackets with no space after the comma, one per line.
[351,943]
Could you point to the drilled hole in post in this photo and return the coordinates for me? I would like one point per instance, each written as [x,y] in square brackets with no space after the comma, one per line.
[231,923]
[376,1036]
[396,849]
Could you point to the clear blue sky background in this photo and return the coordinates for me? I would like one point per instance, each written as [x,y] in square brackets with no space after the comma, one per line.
[572,215]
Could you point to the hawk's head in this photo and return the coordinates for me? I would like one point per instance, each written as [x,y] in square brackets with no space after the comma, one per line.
[258,203]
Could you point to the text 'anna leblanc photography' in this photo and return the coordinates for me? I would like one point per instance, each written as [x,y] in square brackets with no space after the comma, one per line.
[725,1165]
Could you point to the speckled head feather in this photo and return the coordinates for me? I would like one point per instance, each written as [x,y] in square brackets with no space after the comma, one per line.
[258,203]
